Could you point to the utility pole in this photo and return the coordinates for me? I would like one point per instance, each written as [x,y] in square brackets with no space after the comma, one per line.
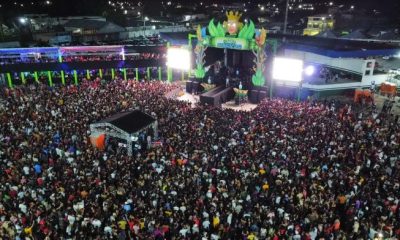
[1,30]
[286,17]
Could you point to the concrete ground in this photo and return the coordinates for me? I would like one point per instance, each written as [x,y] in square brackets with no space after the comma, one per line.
[379,101]
[247,107]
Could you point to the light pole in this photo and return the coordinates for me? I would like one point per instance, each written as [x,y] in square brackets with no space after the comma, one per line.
[286,17]
[24,21]
[144,25]
[1,29]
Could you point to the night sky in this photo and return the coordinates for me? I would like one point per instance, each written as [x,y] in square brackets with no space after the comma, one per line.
[98,7]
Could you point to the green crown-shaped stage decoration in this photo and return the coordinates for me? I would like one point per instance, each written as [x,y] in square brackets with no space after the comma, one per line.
[216,31]
[232,34]
[247,31]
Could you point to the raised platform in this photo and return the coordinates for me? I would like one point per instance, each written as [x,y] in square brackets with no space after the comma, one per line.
[217,96]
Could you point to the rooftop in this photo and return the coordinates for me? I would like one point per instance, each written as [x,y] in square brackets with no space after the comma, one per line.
[130,122]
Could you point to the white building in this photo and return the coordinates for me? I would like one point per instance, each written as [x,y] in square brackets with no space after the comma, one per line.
[357,62]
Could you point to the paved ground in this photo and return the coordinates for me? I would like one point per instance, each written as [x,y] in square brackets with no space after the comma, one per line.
[242,107]
[379,100]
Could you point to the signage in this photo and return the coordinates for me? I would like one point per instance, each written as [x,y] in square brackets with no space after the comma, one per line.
[230,43]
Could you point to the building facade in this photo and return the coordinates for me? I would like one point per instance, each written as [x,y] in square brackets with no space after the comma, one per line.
[317,24]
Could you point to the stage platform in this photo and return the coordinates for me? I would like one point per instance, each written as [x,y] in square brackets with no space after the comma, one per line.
[194,99]
[217,96]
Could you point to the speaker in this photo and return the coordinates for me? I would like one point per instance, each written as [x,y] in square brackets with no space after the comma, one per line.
[261,95]
[253,96]
[195,87]
[189,86]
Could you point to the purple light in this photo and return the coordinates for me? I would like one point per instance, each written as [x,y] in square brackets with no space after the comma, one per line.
[309,70]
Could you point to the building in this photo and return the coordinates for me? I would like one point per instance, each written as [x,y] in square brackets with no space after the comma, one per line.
[53,38]
[193,17]
[339,66]
[317,24]
[85,30]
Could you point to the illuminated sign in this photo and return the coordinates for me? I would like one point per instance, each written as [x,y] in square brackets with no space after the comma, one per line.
[230,43]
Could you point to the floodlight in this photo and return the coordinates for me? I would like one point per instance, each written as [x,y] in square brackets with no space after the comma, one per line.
[178,58]
[134,138]
[286,69]
[309,70]
[22,20]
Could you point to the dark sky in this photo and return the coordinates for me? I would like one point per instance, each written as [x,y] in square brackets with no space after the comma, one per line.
[97,7]
[57,7]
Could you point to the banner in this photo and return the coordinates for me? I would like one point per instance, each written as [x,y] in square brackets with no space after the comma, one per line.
[231,43]
[98,141]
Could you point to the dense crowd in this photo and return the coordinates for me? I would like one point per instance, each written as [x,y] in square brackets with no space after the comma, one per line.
[83,58]
[286,170]
[138,56]
[14,60]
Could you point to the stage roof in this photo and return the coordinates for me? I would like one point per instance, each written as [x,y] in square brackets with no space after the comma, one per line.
[337,48]
[6,51]
[350,53]
[130,122]
[331,47]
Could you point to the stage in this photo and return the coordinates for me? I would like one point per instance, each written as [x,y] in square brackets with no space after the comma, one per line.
[194,99]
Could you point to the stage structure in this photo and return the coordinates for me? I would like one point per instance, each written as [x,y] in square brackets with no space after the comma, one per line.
[232,34]
[125,126]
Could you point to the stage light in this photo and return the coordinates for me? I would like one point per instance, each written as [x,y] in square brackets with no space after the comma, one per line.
[309,70]
[23,20]
[134,138]
[178,58]
[286,69]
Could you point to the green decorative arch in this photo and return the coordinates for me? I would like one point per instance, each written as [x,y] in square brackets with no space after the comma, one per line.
[232,34]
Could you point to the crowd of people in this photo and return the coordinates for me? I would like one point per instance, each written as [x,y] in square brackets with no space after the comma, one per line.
[131,57]
[286,170]
[83,58]
[23,60]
